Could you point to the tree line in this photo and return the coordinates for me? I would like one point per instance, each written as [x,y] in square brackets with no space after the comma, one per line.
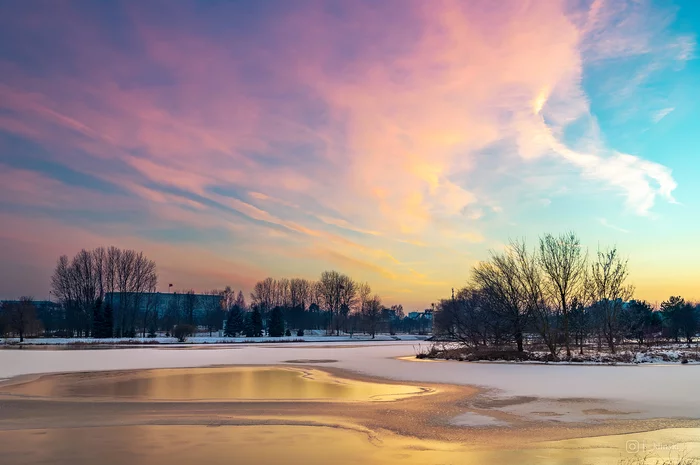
[335,303]
[110,292]
[556,295]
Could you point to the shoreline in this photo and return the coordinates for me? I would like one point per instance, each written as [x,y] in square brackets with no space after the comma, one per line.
[597,359]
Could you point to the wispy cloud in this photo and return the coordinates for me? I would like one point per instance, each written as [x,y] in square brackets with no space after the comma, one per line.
[661,114]
[605,223]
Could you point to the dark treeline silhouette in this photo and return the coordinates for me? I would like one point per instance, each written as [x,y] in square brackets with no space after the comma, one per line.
[558,297]
[335,303]
[110,292]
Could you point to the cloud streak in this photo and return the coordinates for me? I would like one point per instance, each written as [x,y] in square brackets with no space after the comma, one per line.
[661,114]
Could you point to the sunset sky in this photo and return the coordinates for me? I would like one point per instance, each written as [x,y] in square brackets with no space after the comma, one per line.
[395,141]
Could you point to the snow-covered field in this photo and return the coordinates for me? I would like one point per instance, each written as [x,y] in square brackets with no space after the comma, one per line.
[648,390]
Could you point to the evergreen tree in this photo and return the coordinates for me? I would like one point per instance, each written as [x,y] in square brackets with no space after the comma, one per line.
[235,322]
[97,319]
[639,319]
[276,326]
[248,325]
[672,313]
[108,322]
[256,323]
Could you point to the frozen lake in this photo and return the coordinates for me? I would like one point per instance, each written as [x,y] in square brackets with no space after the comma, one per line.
[300,398]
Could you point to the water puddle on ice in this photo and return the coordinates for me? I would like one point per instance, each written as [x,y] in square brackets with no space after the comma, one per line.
[195,384]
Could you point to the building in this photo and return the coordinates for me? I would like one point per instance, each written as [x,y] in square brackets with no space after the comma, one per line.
[425,314]
[163,309]
[422,320]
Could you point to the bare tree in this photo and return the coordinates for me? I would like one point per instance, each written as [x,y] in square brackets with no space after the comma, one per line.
[461,318]
[329,291]
[282,293]
[348,299]
[364,293]
[91,275]
[85,280]
[264,294]
[563,263]
[74,284]
[338,292]
[99,257]
[373,314]
[299,292]
[315,294]
[240,301]
[110,265]
[545,317]
[20,317]
[503,282]
[607,292]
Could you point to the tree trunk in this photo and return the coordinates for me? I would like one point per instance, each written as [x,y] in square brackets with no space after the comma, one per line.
[611,343]
[566,332]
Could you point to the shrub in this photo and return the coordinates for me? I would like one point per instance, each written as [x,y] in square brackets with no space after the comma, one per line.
[288,333]
[300,332]
[182,332]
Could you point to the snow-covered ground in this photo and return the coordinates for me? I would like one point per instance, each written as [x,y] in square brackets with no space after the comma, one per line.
[651,391]
[627,357]
[666,353]
[210,339]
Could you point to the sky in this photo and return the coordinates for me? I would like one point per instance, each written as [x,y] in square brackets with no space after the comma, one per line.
[397,141]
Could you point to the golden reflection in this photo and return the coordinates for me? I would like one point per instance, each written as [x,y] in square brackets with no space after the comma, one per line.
[198,384]
[273,445]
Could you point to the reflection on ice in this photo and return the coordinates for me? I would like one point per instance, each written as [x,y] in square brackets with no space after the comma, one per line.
[273,445]
[235,383]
